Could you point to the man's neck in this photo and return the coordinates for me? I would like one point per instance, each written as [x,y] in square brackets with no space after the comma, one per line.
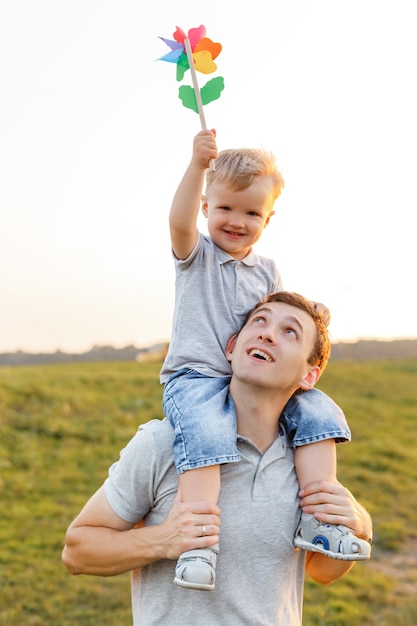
[258,411]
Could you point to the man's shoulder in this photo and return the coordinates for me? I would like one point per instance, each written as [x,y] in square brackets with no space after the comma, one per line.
[157,429]
[153,440]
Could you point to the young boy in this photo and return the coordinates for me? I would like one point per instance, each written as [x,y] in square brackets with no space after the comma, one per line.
[218,280]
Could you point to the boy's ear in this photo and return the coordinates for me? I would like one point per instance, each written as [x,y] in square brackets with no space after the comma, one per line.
[230,346]
[204,205]
[268,218]
[310,378]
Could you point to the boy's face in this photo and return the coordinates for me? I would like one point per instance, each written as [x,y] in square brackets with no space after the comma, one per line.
[236,219]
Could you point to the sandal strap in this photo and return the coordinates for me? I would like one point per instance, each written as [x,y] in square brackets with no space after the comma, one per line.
[208,556]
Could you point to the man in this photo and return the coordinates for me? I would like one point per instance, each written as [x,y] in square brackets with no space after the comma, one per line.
[282,347]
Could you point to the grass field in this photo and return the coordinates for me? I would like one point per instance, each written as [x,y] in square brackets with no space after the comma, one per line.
[62,426]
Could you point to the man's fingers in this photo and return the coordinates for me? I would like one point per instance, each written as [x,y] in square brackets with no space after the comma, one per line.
[202,508]
[320,487]
[322,496]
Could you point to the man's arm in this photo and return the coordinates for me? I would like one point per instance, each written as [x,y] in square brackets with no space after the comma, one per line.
[100,543]
[187,200]
[333,504]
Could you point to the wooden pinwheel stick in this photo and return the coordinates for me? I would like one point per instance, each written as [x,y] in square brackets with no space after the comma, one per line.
[197,91]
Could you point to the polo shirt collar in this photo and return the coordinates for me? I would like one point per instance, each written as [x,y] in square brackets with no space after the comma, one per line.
[250,259]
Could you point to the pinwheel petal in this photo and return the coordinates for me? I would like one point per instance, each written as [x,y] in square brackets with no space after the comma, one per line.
[171,57]
[203,62]
[179,35]
[195,34]
[207,44]
[174,45]
[182,66]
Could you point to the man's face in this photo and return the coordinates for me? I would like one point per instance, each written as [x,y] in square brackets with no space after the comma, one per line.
[272,349]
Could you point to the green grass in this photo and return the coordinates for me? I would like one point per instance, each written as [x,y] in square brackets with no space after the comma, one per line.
[62,426]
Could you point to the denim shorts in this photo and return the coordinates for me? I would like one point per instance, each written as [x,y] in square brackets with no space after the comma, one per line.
[311,416]
[203,415]
[204,418]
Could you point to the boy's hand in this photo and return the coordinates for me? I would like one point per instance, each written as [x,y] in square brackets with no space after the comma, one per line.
[204,148]
[323,311]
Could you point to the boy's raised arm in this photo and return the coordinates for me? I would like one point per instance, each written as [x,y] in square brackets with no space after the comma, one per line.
[187,199]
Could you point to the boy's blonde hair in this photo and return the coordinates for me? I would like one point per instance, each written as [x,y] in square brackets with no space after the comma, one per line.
[238,168]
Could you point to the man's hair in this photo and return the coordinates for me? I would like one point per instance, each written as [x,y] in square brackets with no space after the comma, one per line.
[320,353]
[238,168]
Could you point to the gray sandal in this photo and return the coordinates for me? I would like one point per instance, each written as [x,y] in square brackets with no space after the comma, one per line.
[196,569]
[337,542]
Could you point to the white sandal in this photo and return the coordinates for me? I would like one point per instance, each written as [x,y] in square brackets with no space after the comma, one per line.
[196,569]
[337,542]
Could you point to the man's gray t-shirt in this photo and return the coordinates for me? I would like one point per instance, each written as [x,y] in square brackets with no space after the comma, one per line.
[213,294]
[259,574]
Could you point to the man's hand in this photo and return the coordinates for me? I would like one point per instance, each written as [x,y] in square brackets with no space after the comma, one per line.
[334,504]
[190,526]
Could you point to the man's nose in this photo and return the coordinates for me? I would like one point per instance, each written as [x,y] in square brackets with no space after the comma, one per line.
[267,335]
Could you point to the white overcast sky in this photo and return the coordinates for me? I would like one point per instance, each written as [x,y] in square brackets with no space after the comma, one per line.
[94,140]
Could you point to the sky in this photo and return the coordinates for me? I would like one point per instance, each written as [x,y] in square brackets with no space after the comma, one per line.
[94,141]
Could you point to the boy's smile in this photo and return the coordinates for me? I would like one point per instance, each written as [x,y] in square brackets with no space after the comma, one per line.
[236,219]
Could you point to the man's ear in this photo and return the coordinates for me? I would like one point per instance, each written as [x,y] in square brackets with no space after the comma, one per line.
[310,378]
[230,346]
[204,206]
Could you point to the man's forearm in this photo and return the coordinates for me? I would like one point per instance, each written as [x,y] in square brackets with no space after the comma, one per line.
[100,543]
[109,552]
[325,570]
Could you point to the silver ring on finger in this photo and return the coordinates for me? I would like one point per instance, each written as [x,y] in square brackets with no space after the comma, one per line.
[203,531]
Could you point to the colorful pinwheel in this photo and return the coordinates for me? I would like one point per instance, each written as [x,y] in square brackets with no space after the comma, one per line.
[195,52]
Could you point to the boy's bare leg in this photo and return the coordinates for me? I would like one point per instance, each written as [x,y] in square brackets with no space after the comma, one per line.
[317,462]
[196,569]
[200,484]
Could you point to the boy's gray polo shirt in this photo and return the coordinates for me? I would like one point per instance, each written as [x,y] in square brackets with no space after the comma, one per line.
[213,294]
